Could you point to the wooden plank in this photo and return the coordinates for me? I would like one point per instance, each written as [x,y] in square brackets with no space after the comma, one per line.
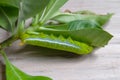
[102,64]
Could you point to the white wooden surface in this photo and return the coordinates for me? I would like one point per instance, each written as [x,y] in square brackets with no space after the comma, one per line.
[102,64]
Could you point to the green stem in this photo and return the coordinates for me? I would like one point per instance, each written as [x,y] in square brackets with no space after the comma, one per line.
[3,45]
[8,42]
[4,55]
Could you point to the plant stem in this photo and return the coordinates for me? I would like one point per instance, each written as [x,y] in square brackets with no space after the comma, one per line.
[3,45]
[8,42]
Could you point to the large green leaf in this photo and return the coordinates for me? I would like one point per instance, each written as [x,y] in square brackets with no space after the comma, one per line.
[82,15]
[52,7]
[8,17]
[13,73]
[8,14]
[13,3]
[82,31]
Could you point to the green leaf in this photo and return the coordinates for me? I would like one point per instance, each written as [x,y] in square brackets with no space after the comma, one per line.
[13,73]
[13,3]
[82,15]
[8,17]
[8,14]
[26,9]
[82,31]
[56,42]
[31,8]
[52,7]
[74,25]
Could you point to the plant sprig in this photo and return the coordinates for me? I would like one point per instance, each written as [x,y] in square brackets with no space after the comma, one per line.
[78,32]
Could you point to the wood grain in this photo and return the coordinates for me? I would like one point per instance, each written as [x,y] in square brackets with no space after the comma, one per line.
[102,64]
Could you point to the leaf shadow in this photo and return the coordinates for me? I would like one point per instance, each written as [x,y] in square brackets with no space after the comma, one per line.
[34,51]
[41,51]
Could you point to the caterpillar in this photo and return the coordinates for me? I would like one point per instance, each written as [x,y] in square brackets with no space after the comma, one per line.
[56,42]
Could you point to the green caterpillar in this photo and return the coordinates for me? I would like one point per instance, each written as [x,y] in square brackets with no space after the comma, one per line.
[56,42]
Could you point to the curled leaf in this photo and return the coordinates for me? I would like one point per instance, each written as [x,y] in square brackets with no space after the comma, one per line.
[82,15]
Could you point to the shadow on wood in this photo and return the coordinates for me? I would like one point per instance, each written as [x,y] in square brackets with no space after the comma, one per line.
[46,52]
[2,71]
